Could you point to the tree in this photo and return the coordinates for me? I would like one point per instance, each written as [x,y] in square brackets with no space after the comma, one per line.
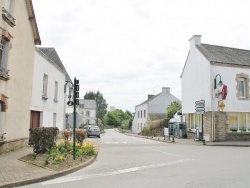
[101,104]
[117,117]
[172,109]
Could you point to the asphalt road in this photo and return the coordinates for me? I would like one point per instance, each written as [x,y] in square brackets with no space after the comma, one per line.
[132,162]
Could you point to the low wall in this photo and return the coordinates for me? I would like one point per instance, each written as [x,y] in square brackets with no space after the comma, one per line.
[11,145]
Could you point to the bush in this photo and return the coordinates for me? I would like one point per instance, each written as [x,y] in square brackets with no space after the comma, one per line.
[146,131]
[81,135]
[43,138]
[67,135]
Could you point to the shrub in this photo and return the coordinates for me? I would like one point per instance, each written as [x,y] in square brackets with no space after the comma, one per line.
[43,138]
[67,134]
[146,131]
[81,135]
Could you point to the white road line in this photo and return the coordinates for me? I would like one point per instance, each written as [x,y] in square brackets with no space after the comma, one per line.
[166,153]
[117,172]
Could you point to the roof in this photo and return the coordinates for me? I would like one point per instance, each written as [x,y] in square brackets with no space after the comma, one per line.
[33,23]
[51,53]
[88,103]
[150,99]
[225,55]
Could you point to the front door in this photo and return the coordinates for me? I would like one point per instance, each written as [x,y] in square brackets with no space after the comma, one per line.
[34,119]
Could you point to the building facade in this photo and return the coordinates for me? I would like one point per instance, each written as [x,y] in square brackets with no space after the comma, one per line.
[87,109]
[219,76]
[48,99]
[155,105]
[18,28]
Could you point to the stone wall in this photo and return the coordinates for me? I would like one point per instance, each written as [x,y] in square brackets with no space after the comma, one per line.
[7,146]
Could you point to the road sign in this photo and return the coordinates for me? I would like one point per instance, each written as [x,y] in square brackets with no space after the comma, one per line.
[222,106]
[78,120]
[200,107]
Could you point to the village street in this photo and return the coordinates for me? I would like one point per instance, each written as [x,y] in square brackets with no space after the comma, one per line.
[127,161]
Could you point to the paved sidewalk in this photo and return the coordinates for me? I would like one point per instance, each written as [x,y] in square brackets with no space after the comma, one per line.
[192,142]
[14,172]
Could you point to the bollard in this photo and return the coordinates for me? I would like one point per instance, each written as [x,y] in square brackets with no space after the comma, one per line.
[204,142]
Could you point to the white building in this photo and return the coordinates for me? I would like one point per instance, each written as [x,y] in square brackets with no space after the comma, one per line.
[48,96]
[87,109]
[155,105]
[227,114]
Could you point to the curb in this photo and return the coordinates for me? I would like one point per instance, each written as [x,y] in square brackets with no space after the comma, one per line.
[51,176]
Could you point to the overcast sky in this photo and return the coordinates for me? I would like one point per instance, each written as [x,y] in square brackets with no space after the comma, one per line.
[128,49]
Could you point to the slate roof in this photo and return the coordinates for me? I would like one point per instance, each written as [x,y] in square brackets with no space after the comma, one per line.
[88,103]
[53,56]
[225,55]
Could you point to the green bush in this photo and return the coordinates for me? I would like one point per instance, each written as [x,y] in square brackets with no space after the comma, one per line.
[43,138]
[146,131]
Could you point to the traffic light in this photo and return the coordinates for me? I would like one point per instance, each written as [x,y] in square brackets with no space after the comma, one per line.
[76,91]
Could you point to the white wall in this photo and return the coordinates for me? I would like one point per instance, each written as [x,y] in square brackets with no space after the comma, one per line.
[195,80]
[140,122]
[48,107]
[228,77]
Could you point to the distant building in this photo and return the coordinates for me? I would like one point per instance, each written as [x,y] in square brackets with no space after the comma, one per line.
[87,108]
[155,105]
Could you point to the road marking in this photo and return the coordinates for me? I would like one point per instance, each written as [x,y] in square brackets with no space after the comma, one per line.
[117,172]
[166,153]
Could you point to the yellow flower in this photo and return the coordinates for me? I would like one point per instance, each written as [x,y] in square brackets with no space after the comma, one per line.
[61,158]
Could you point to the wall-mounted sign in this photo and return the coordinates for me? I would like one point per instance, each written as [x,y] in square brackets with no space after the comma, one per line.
[224,92]
[222,105]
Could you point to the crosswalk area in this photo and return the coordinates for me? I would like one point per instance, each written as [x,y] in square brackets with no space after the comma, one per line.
[116,143]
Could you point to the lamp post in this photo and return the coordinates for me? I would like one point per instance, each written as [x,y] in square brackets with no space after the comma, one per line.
[220,83]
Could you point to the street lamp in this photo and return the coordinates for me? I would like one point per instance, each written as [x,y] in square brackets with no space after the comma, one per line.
[215,82]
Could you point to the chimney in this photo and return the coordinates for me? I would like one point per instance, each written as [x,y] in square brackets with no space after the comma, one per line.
[150,96]
[195,40]
[166,90]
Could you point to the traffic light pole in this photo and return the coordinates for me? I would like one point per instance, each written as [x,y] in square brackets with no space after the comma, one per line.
[76,102]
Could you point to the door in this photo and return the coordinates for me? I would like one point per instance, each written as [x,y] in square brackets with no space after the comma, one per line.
[34,119]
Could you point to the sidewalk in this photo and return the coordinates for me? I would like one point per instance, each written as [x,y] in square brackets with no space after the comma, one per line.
[16,173]
[192,142]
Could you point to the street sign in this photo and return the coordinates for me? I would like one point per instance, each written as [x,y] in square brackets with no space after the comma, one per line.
[222,106]
[78,120]
[200,107]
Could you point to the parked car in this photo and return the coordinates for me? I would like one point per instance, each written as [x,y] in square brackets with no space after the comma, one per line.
[93,131]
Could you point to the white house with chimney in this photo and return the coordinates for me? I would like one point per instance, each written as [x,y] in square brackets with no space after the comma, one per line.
[220,76]
[155,105]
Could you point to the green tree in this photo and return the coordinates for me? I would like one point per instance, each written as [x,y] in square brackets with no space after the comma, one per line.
[172,109]
[117,117]
[100,102]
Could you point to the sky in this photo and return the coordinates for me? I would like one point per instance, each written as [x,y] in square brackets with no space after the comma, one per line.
[128,49]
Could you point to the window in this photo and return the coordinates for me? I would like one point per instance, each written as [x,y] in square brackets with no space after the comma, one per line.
[242,86]
[141,113]
[239,122]
[144,113]
[56,91]
[8,12]
[45,85]
[87,113]
[4,50]
[54,119]
[138,114]
[195,121]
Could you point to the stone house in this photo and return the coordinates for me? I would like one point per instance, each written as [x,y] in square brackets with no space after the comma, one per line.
[155,105]
[48,97]
[220,76]
[18,28]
